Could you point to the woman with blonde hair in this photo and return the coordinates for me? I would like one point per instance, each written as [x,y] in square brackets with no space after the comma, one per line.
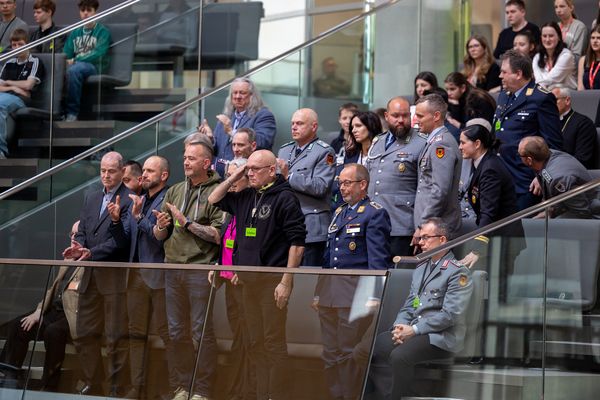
[480,68]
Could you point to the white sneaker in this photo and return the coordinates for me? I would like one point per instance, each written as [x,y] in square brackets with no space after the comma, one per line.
[180,394]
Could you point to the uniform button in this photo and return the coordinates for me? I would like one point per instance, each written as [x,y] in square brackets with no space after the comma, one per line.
[502,129]
[418,191]
[315,210]
[377,183]
[382,160]
[408,203]
[379,171]
[505,118]
[376,193]
[334,258]
[336,249]
[419,316]
[336,239]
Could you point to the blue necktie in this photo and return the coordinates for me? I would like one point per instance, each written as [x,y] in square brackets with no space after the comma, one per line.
[389,140]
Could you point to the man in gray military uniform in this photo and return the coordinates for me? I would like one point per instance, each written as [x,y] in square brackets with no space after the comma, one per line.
[558,172]
[393,167]
[440,165]
[431,324]
[309,166]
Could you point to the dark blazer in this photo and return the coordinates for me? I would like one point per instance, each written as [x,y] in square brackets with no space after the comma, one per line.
[492,191]
[94,234]
[130,234]
[579,138]
[534,112]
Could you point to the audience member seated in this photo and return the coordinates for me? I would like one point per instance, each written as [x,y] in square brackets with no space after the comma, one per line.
[458,89]
[556,173]
[589,64]
[365,126]
[524,109]
[578,131]
[381,112]
[346,112]
[574,32]
[18,78]
[515,17]
[525,43]
[9,23]
[554,63]
[480,68]
[86,49]
[430,325]
[480,104]
[245,108]
[51,322]
[329,84]
[43,11]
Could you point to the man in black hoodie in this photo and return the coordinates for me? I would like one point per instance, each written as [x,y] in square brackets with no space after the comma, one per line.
[270,232]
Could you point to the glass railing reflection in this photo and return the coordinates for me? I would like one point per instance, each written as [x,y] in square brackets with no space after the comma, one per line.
[218,358]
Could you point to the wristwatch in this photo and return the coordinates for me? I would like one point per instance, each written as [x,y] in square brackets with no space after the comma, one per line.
[188,222]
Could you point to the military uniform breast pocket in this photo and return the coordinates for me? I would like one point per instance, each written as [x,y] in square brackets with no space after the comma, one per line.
[354,238]
[437,295]
[524,116]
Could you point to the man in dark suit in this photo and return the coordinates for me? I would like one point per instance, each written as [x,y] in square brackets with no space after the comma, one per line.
[102,296]
[359,237]
[146,287]
[524,109]
[578,131]
[244,108]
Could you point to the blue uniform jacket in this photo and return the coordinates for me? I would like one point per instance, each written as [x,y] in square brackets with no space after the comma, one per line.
[533,112]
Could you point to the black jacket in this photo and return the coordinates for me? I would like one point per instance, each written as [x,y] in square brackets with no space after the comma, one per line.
[579,138]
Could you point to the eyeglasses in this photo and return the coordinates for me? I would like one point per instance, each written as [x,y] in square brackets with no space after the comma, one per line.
[256,169]
[6,4]
[426,237]
[347,183]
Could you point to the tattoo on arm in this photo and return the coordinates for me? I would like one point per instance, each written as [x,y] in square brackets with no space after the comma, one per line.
[204,232]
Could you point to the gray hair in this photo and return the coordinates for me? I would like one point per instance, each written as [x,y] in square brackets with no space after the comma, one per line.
[435,102]
[256,102]
[198,138]
[238,162]
[562,89]
[249,132]
[441,227]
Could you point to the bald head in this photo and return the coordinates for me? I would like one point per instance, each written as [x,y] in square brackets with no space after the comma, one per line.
[113,157]
[261,168]
[534,147]
[305,124]
[397,116]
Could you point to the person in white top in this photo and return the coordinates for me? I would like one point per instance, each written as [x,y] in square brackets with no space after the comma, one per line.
[554,63]
[574,32]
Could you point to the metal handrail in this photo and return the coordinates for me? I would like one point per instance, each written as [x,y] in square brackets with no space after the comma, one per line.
[594,184]
[68,29]
[204,267]
[165,114]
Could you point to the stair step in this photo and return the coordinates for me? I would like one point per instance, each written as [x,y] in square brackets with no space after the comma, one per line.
[60,142]
[18,168]
[129,108]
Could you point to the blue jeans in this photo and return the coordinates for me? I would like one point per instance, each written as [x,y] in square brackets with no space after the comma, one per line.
[76,76]
[8,103]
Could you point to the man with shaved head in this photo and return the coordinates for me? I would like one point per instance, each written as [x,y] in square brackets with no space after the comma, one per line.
[309,166]
[102,297]
[270,232]
[145,287]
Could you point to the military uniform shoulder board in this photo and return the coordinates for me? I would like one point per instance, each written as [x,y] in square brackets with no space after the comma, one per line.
[287,144]
[322,143]
[439,137]
[540,88]
[376,138]
[340,208]
[422,135]
[546,175]
[376,205]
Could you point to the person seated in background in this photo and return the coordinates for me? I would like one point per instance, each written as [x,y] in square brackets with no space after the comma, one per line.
[480,104]
[578,131]
[86,49]
[244,108]
[557,173]
[515,17]
[480,68]
[431,324]
[554,63]
[381,113]
[424,80]
[589,64]
[51,321]
[43,11]
[9,23]
[525,43]
[574,33]
[18,78]
[132,177]
[458,89]
[329,84]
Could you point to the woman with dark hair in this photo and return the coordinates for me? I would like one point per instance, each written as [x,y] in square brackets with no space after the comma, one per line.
[458,89]
[491,191]
[424,81]
[480,104]
[588,77]
[525,43]
[364,126]
[480,68]
[554,63]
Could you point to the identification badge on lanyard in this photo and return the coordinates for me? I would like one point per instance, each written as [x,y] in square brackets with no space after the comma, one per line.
[229,243]
[250,232]
[416,302]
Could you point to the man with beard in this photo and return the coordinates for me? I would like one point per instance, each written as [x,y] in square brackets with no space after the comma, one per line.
[145,287]
[392,165]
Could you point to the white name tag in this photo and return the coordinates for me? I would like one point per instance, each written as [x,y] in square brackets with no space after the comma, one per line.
[353,230]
